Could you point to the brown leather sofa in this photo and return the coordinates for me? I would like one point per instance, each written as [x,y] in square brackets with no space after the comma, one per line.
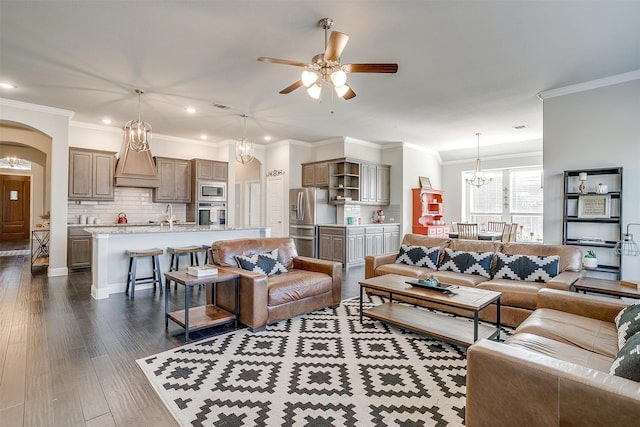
[308,285]
[518,297]
[554,371]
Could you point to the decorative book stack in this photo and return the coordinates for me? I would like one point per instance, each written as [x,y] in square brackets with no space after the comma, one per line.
[202,270]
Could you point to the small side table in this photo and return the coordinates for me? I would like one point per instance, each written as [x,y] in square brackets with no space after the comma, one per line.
[203,316]
[606,287]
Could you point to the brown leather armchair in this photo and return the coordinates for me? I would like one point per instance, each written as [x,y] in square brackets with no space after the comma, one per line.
[309,284]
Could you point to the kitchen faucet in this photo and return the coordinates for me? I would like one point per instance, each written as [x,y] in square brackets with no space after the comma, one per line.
[169,211]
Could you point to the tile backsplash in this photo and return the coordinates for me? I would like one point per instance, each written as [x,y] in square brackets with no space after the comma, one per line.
[136,203]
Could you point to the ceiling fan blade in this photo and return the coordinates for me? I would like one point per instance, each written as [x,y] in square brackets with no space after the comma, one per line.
[282,61]
[371,68]
[291,88]
[335,45]
[350,94]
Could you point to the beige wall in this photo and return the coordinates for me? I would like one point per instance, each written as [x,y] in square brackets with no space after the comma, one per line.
[593,129]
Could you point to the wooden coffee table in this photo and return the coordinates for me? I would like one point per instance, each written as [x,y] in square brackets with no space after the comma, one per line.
[458,330]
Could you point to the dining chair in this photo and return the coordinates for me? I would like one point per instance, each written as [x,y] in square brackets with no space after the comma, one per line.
[496,225]
[506,232]
[454,226]
[468,231]
[513,232]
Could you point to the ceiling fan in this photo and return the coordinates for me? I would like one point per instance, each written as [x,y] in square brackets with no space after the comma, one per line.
[326,67]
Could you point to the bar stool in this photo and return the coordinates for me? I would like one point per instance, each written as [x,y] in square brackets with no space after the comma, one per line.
[156,278]
[176,253]
[205,249]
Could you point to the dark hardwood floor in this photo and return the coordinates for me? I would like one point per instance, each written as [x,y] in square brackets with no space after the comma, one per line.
[69,360]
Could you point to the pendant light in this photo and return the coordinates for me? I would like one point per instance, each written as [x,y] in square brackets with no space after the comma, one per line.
[244,147]
[478,179]
[136,132]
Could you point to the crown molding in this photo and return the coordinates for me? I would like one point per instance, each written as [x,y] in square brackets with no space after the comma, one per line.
[501,157]
[593,84]
[35,107]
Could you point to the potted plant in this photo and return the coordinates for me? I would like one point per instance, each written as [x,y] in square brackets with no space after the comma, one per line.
[590,260]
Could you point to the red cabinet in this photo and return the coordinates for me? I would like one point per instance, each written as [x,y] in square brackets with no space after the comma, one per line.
[427,210]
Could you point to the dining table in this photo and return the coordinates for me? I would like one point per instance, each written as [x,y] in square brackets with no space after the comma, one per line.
[482,235]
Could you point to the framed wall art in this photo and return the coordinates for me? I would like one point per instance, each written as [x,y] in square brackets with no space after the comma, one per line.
[425,183]
[594,206]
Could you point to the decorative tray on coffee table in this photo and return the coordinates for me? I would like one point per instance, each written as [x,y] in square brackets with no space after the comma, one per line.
[440,287]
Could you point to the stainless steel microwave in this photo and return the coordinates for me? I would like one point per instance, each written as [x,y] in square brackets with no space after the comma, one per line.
[212,191]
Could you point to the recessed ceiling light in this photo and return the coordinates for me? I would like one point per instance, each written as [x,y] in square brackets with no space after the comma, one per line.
[106,121]
[203,136]
[267,138]
[5,85]
[221,106]
[190,110]
[520,127]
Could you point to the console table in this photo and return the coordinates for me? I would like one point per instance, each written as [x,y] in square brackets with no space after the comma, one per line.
[606,287]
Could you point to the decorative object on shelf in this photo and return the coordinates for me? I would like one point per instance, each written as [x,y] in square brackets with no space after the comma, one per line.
[122,218]
[594,206]
[275,172]
[137,133]
[425,183]
[602,188]
[326,67]
[46,217]
[478,179]
[582,187]
[590,260]
[627,246]
[244,147]
[380,216]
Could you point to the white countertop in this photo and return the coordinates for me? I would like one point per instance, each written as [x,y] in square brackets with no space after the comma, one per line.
[371,224]
[129,224]
[180,228]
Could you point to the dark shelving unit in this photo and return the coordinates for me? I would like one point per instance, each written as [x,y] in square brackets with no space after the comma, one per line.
[570,217]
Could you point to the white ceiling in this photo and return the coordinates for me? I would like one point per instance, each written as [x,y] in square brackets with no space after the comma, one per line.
[464,67]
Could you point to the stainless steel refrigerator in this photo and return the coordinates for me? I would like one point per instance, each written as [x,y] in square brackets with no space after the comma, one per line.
[308,208]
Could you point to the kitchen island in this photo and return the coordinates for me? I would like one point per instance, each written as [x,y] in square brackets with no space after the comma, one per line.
[110,262]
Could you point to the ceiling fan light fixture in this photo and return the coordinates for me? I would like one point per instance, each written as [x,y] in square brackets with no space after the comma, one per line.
[244,147]
[138,133]
[314,91]
[342,90]
[338,78]
[308,78]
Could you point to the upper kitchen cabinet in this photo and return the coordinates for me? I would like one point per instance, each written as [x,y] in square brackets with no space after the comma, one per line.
[211,170]
[175,180]
[91,174]
[374,184]
[315,174]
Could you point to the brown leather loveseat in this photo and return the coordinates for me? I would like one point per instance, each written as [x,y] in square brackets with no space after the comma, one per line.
[308,285]
[518,296]
[555,369]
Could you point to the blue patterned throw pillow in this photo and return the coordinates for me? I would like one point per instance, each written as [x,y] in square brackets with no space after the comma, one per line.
[627,323]
[478,263]
[268,263]
[420,256]
[627,361]
[530,268]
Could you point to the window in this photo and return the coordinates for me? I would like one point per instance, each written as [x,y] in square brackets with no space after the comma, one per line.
[513,196]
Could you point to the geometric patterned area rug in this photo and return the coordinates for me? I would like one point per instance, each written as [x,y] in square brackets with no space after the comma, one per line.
[320,369]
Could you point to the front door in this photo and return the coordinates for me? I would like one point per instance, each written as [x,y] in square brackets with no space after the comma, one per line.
[14,207]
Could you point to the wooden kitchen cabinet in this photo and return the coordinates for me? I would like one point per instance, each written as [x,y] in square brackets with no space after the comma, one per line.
[79,248]
[315,174]
[175,181]
[211,170]
[91,174]
[391,238]
[375,184]
[355,245]
[332,244]
[374,240]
